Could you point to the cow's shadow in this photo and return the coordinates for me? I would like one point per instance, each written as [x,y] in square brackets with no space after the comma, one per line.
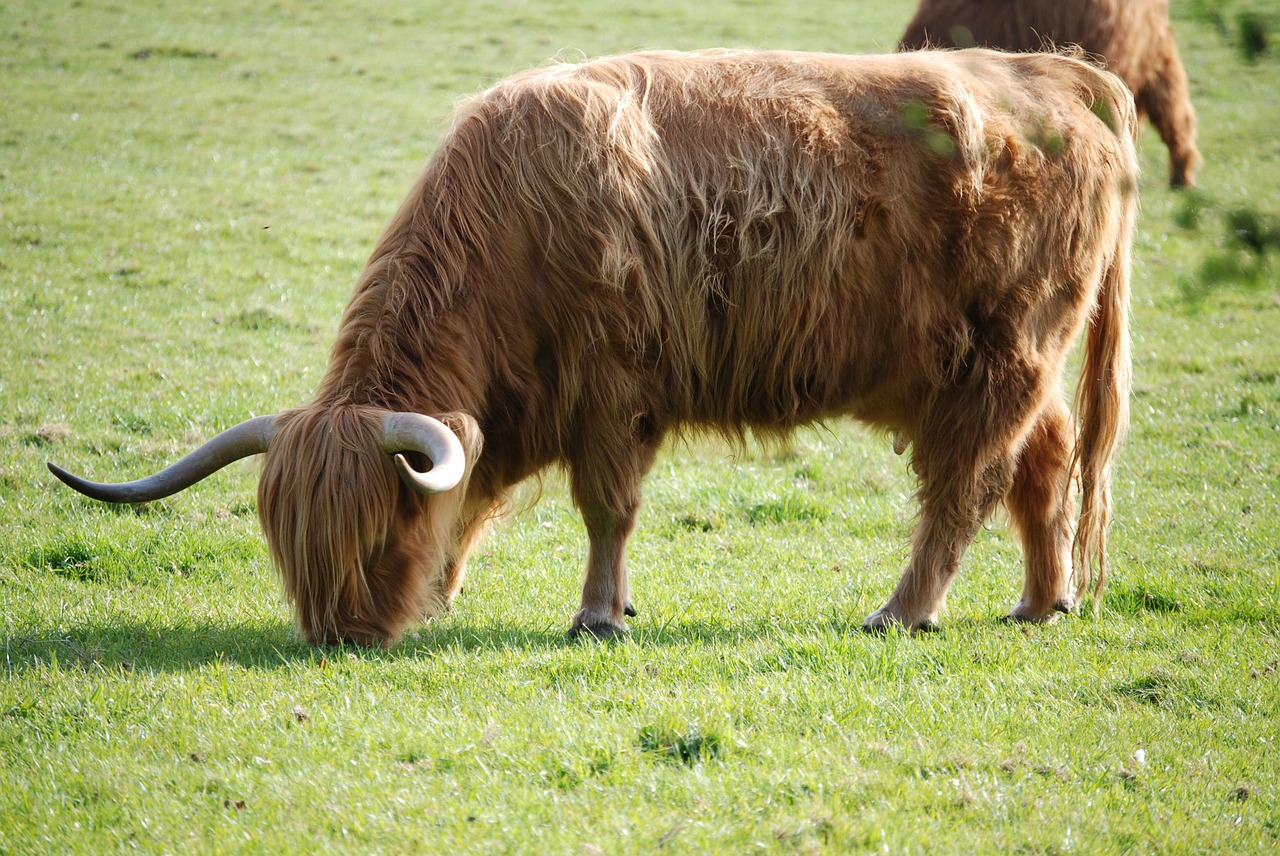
[125,646]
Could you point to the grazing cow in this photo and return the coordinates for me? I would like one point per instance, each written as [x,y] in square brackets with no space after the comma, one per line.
[600,254]
[1133,37]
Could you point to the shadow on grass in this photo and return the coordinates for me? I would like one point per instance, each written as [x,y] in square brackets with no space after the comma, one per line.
[125,646]
[128,646]
[457,636]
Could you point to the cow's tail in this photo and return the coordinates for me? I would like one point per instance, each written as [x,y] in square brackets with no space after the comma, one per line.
[1102,405]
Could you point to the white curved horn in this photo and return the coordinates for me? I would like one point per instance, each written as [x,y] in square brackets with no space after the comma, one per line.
[414,432]
[250,437]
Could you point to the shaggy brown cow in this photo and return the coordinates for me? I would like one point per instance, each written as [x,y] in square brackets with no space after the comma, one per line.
[1133,37]
[602,253]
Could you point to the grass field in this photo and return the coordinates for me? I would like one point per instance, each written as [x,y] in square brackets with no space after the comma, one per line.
[187,194]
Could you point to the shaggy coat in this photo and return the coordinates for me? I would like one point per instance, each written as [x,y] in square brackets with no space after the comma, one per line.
[600,254]
[1133,37]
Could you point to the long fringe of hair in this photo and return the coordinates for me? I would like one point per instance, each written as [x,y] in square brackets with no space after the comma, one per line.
[359,554]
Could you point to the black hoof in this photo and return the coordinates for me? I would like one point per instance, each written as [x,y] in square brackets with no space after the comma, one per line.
[602,632]
[883,629]
[629,610]
[1059,607]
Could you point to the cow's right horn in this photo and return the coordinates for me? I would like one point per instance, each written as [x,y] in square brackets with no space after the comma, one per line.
[414,432]
[250,437]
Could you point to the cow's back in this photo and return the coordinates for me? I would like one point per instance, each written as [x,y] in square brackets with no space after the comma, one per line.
[767,238]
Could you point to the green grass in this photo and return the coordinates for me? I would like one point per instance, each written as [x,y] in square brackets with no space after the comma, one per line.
[187,194]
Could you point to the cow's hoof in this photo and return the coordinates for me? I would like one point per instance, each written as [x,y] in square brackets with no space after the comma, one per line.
[601,631]
[629,611]
[1024,614]
[879,622]
[882,629]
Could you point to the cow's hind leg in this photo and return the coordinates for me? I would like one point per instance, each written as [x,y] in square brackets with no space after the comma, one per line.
[953,507]
[965,454]
[606,487]
[1040,509]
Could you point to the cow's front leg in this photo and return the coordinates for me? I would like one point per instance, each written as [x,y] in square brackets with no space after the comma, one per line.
[605,591]
[606,486]
[472,532]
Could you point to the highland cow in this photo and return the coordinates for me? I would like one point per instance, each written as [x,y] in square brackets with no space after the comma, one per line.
[1133,38]
[601,254]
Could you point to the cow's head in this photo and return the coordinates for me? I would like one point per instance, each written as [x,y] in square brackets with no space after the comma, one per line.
[359,505]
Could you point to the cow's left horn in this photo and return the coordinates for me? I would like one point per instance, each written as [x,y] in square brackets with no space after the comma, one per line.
[250,437]
[413,432]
